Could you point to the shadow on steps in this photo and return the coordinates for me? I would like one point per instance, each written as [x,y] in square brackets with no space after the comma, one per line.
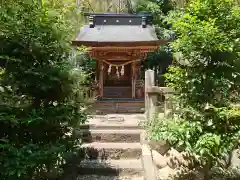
[87,162]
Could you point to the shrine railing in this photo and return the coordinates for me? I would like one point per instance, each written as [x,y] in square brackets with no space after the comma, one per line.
[140,88]
[160,99]
[88,94]
[157,98]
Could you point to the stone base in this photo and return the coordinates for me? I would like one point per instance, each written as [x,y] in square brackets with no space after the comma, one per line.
[118,106]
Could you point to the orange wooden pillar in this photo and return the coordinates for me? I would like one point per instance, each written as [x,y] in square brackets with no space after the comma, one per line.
[101,67]
[134,79]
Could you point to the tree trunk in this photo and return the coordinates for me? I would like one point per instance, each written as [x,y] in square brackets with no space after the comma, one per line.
[206,170]
[36,103]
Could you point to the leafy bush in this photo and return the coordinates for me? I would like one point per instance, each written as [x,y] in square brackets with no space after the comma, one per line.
[39,104]
[161,59]
[206,74]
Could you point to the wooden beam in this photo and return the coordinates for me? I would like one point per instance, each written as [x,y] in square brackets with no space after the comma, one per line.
[114,58]
[159,90]
[120,53]
[122,49]
[119,44]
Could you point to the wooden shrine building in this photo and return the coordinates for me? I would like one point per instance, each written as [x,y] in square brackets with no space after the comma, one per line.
[119,43]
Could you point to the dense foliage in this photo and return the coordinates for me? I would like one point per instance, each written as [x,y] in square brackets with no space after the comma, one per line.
[206,75]
[39,104]
[161,59]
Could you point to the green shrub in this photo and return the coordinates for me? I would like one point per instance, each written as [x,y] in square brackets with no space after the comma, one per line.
[206,74]
[39,104]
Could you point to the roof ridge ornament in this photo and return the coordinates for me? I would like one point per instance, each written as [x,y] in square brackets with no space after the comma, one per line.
[91,22]
[144,22]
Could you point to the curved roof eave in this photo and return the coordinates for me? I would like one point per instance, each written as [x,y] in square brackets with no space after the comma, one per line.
[119,44]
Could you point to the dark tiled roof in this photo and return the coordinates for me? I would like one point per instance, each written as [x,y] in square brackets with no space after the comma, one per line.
[117,33]
[118,30]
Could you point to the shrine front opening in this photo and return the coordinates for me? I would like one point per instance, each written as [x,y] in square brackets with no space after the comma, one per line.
[119,79]
[117,73]
[119,43]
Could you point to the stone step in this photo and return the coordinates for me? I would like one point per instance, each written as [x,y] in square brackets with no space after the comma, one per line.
[110,126]
[109,135]
[115,121]
[117,92]
[129,167]
[97,177]
[104,107]
[104,151]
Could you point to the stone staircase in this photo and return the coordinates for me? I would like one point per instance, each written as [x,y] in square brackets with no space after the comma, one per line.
[112,147]
[106,106]
[117,92]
